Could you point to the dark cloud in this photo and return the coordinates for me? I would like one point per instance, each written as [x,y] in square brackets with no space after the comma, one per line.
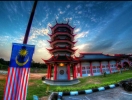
[119,29]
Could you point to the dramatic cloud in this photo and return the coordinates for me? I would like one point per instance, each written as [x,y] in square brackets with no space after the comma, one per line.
[77,30]
[81,35]
[38,32]
[100,26]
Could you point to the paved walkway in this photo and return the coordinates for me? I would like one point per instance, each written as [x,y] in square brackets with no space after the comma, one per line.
[111,94]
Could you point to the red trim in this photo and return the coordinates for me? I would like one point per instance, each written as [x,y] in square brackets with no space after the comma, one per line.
[68,70]
[91,53]
[57,57]
[117,66]
[61,48]
[101,68]
[54,50]
[91,69]
[80,69]
[55,72]
[62,33]
[74,35]
[109,67]
[50,35]
[49,41]
[60,25]
[75,71]
[58,41]
[76,58]
[48,72]
[44,60]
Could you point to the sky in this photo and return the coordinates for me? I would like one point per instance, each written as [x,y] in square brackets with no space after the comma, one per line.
[101,26]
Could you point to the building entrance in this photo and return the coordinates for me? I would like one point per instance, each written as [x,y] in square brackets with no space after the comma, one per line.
[62,73]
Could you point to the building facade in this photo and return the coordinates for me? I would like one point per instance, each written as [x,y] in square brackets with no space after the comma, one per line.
[61,63]
[65,69]
[92,64]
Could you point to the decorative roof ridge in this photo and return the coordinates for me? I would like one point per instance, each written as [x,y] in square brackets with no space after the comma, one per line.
[44,60]
[49,41]
[62,40]
[62,24]
[91,53]
[68,57]
[77,58]
[56,57]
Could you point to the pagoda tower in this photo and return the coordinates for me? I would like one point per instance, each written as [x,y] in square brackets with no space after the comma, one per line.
[61,63]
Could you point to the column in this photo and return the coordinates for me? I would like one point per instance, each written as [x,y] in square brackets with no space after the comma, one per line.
[109,66]
[68,71]
[91,69]
[75,76]
[117,66]
[76,71]
[101,68]
[48,72]
[55,72]
[73,71]
[80,69]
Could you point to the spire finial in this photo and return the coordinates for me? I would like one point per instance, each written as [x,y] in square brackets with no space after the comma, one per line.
[56,21]
[68,21]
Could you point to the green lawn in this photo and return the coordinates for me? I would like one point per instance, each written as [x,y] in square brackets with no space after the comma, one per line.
[36,87]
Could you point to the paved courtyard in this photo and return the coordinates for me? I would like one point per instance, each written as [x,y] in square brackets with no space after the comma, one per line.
[111,94]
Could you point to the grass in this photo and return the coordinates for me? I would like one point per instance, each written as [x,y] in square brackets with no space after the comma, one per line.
[38,70]
[36,87]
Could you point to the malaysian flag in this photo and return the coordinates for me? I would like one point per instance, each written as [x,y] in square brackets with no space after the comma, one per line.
[18,72]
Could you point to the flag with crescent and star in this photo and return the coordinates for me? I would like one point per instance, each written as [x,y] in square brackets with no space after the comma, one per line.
[18,72]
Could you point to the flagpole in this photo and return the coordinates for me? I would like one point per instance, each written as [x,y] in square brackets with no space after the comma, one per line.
[29,23]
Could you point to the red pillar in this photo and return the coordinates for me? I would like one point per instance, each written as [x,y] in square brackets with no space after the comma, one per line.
[75,75]
[109,67]
[101,67]
[48,72]
[73,72]
[55,72]
[91,69]
[76,70]
[117,65]
[80,69]
[68,71]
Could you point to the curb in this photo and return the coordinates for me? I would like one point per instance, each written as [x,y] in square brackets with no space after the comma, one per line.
[60,94]
[53,96]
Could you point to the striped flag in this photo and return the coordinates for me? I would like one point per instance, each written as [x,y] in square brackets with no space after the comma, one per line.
[18,72]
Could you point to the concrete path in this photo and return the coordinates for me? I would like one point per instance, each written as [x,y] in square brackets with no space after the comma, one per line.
[111,94]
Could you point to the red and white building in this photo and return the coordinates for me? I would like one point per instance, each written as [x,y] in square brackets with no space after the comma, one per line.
[61,65]
[92,64]
[64,68]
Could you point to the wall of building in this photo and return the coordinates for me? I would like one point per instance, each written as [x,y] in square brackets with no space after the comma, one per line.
[85,69]
[96,67]
[62,73]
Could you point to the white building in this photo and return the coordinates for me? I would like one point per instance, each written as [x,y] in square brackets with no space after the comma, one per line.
[92,64]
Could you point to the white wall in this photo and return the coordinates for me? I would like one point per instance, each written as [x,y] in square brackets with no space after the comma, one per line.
[96,68]
[113,66]
[85,69]
[105,67]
